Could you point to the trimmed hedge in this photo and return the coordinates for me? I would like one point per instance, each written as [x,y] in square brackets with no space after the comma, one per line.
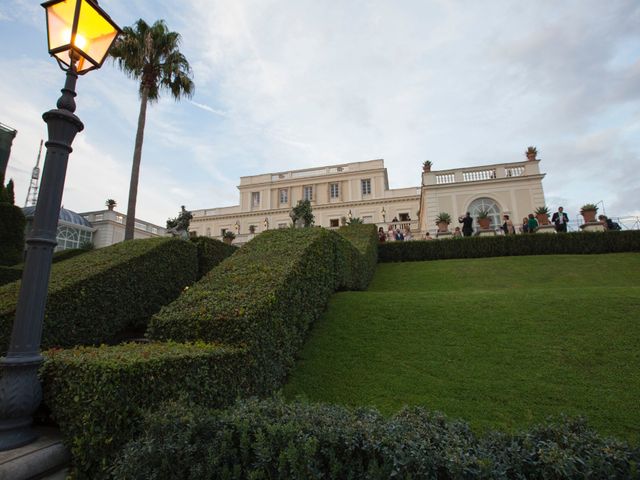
[365,239]
[260,301]
[511,245]
[10,274]
[265,297]
[97,395]
[12,223]
[210,253]
[95,296]
[271,439]
[63,255]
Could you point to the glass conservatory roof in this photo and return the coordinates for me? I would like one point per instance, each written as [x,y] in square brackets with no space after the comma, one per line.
[66,216]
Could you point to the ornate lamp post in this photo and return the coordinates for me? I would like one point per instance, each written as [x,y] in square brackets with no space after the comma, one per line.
[80,34]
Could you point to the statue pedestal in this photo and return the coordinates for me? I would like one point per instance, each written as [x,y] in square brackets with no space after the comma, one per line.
[592,227]
[548,228]
[486,232]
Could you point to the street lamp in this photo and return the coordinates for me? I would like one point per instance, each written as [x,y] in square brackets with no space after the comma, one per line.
[80,34]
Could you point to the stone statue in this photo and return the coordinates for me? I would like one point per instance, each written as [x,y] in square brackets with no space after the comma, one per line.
[179,226]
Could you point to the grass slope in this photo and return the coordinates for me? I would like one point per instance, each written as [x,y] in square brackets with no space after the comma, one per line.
[500,342]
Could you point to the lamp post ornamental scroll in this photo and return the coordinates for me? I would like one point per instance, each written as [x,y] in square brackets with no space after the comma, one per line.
[80,34]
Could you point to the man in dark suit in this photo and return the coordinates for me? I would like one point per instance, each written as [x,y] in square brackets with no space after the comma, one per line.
[467,224]
[560,220]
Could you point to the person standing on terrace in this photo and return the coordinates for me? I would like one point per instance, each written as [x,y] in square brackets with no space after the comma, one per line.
[560,220]
[467,224]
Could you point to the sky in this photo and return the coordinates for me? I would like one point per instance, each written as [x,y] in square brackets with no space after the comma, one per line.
[291,84]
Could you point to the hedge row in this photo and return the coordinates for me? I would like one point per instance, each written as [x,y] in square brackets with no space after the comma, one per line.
[265,297]
[365,239]
[14,273]
[12,223]
[511,245]
[10,274]
[274,440]
[95,296]
[261,301]
[97,395]
[210,253]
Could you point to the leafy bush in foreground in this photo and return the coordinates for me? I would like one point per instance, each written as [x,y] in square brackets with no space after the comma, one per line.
[97,394]
[511,245]
[96,295]
[271,439]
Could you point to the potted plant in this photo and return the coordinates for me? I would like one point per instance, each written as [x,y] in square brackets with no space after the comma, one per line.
[228,237]
[110,204]
[542,215]
[443,220]
[531,153]
[484,220]
[588,211]
[426,166]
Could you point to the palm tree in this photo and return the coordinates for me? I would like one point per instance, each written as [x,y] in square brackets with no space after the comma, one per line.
[150,54]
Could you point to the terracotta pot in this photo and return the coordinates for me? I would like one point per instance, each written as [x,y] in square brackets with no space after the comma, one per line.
[485,223]
[589,215]
[443,227]
[543,219]
[227,240]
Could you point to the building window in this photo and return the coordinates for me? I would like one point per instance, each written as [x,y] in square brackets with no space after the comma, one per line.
[284,196]
[208,231]
[404,217]
[119,219]
[334,190]
[334,222]
[255,199]
[366,186]
[99,216]
[154,230]
[223,231]
[282,225]
[488,205]
[69,237]
[141,226]
[307,193]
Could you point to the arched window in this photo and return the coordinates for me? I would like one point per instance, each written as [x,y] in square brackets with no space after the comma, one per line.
[485,204]
[67,238]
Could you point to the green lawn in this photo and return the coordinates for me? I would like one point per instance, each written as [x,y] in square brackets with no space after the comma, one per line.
[499,342]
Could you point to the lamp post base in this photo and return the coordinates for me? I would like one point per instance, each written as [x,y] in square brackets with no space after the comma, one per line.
[21,394]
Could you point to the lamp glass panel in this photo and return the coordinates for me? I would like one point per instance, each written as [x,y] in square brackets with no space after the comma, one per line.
[60,23]
[95,33]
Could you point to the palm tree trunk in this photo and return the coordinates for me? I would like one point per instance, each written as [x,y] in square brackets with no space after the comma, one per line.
[135,168]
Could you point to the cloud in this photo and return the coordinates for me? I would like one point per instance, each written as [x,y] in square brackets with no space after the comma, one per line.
[284,84]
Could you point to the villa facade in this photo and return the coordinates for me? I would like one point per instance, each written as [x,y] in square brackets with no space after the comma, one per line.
[361,189]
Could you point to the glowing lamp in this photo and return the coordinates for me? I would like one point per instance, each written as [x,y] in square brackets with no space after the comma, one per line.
[80,33]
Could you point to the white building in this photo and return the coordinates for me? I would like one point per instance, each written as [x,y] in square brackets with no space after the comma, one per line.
[361,189]
[101,228]
[110,225]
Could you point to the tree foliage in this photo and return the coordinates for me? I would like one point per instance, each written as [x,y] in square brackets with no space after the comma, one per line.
[303,214]
[150,54]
